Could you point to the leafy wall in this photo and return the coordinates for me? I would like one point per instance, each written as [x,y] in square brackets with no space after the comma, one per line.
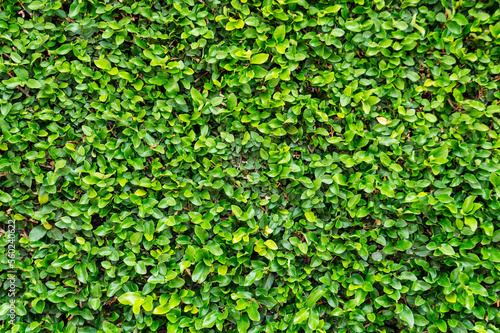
[250,166]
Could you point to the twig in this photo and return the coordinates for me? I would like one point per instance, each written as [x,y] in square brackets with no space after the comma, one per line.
[31,15]
[19,88]
[46,166]
[198,79]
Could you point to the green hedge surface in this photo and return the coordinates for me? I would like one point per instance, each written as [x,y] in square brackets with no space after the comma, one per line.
[249,166]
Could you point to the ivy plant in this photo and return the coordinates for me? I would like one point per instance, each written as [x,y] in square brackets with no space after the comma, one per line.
[250,166]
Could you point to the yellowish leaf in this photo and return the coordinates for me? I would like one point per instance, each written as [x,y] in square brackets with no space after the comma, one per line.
[383,121]
[140,192]
[271,244]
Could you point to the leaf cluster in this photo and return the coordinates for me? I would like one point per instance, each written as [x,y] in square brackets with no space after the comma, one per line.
[251,166]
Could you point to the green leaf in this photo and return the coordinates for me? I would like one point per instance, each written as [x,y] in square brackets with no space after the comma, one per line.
[303,248]
[421,320]
[313,321]
[495,30]
[401,25]
[201,233]
[171,87]
[130,298]
[4,308]
[103,64]
[259,58]
[214,248]
[197,96]
[315,296]
[74,9]
[210,319]
[468,204]
[5,197]
[140,192]
[200,273]
[232,102]
[447,249]
[406,315]
[352,25]
[37,233]
[243,323]
[253,312]
[13,82]
[301,316]
[237,211]
[271,244]
[439,154]
[279,33]
[110,328]
[162,309]
[33,84]
[430,117]
[310,217]
[60,164]
[478,289]
[495,179]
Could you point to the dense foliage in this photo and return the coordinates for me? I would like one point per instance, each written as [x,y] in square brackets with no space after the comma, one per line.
[250,166]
